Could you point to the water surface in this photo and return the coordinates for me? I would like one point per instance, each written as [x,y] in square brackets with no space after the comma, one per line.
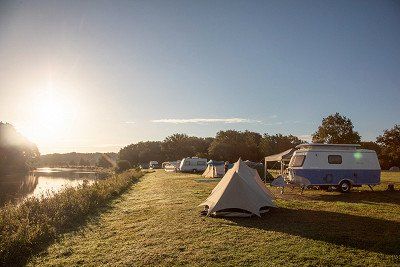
[42,183]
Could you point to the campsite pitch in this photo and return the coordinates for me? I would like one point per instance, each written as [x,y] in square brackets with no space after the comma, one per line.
[158,222]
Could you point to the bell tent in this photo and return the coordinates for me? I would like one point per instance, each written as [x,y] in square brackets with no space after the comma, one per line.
[239,193]
[214,169]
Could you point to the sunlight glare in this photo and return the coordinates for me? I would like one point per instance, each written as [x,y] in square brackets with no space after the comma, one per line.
[53,114]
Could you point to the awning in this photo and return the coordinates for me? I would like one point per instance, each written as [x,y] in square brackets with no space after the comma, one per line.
[283,156]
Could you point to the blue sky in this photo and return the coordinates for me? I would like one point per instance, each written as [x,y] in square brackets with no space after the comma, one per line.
[195,67]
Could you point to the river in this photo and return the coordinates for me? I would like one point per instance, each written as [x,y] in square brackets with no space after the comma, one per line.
[42,183]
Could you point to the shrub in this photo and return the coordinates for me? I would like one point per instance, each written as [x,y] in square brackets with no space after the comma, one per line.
[26,227]
[123,165]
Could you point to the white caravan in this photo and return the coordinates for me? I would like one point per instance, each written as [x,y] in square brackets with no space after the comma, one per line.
[193,164]
[339,165]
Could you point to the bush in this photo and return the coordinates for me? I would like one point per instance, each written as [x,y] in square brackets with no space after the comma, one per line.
[123,165]
[26,227]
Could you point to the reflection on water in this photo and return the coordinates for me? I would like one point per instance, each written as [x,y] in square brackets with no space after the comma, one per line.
[42,182]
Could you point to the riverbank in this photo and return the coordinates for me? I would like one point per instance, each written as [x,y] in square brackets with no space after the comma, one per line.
[157,222]
[26,228]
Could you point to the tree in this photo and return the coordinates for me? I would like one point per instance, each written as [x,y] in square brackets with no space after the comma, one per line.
[83,162]
[178,146]
[142,152]
[274,144]
[371,146]
[230,145]
[336,129]
[123,165]
[104,162]
[390,147]
[17,154]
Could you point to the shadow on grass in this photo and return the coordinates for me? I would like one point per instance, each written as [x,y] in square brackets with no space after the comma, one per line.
[375,235]
[361,197]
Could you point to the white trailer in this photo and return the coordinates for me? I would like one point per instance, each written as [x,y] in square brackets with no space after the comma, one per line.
[340,165]
[193,164]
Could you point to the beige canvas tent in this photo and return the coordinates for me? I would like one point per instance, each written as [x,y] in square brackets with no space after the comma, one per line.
[214,169]
[239,193]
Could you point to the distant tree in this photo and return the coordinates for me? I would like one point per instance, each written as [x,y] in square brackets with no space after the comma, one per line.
[371,145]
[88,159]
[201,147]
[390,147]
[274,144]
[178,146]
[83,162]
[230,145]
[104,162]
[142,152]
[72,163]
[16,152]
[336,129]
[123,165]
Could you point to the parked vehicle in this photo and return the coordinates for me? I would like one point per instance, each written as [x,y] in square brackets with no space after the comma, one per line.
[154,165]
[171,166]
[339,165]
[193,164]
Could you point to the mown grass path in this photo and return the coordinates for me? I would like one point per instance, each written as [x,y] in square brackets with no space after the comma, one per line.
[157,222]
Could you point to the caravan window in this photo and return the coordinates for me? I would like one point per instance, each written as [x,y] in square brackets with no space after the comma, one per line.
[201,163]
[297,161]
[335,159]
[187,163]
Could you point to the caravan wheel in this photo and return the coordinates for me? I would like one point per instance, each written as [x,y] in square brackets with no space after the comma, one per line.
[194,171]
[345,186]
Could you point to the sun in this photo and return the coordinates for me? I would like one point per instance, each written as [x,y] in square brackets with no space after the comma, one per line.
[52,114]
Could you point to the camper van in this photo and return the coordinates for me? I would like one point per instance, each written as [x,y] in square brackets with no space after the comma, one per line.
[193,164]
[342,166]
[154,165]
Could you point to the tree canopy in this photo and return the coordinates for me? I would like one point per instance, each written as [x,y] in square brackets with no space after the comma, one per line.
[336,129]
[142,152]
[227,145]
[231,144]
[16,152]
[104,162]
[389,143]
[178,146]
[274,144]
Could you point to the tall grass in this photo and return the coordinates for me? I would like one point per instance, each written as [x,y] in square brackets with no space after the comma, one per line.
[25,228]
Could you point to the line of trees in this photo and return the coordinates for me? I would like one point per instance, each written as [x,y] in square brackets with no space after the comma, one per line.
[226,145]
[73,159]
[231,144]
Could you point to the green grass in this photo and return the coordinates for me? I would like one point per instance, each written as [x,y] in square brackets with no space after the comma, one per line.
[157,222]
[28,227]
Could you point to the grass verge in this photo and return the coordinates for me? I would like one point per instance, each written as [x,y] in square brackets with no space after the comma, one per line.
[25,228]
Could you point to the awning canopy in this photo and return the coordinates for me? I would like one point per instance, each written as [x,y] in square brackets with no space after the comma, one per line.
[283,156]
[215,163]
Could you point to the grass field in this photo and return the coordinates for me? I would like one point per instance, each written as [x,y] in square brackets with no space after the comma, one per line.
[157,222]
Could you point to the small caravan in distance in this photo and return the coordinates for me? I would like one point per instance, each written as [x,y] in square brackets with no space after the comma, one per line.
[193,164]
[154,165]
[339,165]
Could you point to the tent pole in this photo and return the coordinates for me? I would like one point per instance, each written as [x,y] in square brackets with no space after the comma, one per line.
[282,167]
[265,170]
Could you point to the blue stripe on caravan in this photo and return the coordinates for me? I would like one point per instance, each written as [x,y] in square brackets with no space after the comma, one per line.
[334,176]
